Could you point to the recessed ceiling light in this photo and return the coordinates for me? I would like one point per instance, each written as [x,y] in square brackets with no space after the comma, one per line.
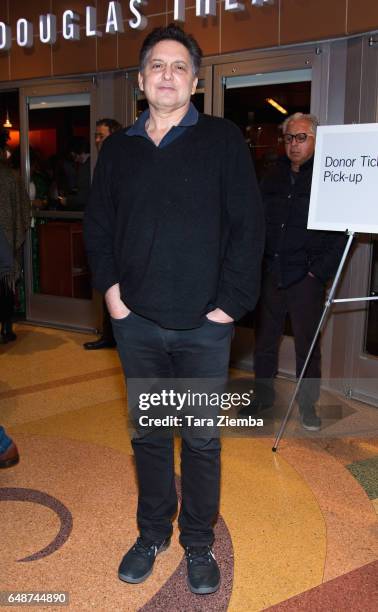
[277,106]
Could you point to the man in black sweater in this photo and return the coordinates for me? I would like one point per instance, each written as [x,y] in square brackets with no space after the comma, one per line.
[298,263]
[174,233]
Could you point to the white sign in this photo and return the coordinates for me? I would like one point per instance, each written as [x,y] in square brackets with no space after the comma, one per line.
[344,193]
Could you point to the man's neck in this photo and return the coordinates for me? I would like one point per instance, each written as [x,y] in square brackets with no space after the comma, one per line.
[160,121]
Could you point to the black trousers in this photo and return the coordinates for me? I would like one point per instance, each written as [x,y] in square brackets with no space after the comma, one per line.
[149,351]
[107,329]
[6,302]
[304,302]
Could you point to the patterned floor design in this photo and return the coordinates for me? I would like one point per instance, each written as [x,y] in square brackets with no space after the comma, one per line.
[297,529]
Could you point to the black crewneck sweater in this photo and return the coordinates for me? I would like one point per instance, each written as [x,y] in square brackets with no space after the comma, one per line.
[180,228]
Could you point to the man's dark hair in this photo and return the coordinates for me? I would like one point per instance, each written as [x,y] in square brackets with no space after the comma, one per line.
[171,32]
[111,124]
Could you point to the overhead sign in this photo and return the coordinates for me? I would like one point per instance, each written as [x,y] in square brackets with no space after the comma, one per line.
[344,193]
[71,23]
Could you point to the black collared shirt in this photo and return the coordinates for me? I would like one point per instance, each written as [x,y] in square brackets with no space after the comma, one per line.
[139,127]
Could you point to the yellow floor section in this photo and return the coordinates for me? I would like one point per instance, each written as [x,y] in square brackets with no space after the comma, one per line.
[103,424]
[277,529]
[276,526]
[296,518]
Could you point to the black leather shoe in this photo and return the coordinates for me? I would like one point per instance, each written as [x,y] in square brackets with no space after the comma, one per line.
[254,408]
[101,343]
[9,457]
[203,570]
[138,562]
[7,333]
[8,337]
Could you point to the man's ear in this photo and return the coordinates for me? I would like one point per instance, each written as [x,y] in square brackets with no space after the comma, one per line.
[140,81]
[194,87]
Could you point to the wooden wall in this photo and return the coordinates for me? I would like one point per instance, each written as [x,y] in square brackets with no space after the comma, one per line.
[285,22]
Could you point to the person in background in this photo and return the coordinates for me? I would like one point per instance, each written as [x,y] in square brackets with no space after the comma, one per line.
[14,222]
[104,128]
[298,263]
[8,450]
[78,197]
[174,233]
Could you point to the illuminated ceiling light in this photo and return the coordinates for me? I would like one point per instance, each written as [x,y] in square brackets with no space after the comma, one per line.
[7,123]
[277,106]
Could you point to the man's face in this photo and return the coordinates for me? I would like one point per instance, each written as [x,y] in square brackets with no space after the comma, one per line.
[79,158]
[168,80]
[300,152]
[101,133]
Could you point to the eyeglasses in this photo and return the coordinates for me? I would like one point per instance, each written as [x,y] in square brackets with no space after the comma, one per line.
[301,137]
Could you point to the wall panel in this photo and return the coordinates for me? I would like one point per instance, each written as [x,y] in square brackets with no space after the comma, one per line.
[4,67]
[130,42]
[253,28]
[303,20]
[205,30]
[362,15]
[107,52]
[4,57]
[29,63]
[28,10]
[284,22]
[74,56]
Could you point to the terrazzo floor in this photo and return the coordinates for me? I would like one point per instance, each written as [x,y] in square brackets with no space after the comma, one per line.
[297,528]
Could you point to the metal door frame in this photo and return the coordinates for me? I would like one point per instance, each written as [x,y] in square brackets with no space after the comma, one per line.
[328,64]
[41,309]
[356,374]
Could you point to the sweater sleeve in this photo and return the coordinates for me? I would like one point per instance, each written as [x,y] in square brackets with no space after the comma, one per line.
[99,226]
[241,271]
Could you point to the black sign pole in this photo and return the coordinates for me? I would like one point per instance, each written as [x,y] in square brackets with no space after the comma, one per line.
[327,306]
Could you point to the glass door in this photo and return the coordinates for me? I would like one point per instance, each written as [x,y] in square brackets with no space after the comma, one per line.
[360,334]
[371,331]
[58,175]
[258,95]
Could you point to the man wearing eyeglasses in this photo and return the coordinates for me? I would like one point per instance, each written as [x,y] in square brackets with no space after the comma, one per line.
[298,263]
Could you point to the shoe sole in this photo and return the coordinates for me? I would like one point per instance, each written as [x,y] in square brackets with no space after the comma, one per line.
[311,427]
[134,580]
[131,580]
[203,590]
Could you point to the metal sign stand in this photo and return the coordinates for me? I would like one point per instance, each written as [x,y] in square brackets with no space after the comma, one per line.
[327,306]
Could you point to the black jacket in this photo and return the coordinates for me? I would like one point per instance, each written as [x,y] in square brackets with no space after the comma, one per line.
[292,250]
[180,227]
